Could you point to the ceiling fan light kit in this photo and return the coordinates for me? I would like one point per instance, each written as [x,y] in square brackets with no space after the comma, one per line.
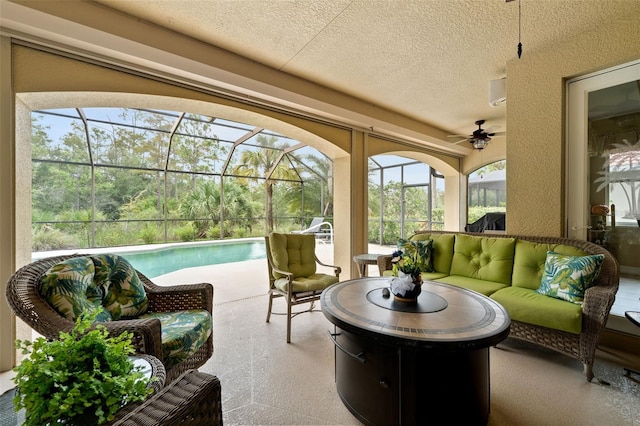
[480,137]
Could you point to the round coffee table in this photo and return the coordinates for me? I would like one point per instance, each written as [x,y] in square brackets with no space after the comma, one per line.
[410,365]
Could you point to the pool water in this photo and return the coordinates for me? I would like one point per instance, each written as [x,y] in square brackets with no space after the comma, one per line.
[162,261]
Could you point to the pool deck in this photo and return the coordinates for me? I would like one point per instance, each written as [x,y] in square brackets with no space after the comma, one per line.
[243,280]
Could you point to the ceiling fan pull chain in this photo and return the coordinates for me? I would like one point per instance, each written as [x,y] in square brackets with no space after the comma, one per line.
[519,29]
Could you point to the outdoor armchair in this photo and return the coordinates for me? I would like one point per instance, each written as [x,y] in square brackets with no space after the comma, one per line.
[173,323]
[292,264]
[193,399]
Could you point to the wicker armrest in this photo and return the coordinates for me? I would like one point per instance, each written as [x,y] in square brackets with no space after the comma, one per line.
[194,398]
[179,297]
[384,263]
[147,334]
[596,306]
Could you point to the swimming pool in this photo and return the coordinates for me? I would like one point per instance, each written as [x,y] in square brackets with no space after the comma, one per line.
[155,262]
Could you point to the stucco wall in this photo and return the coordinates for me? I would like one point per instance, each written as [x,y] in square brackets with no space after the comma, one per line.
[536,120]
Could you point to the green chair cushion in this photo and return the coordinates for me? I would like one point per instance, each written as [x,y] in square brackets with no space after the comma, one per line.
[293,253]
[568,277]
[105,282]
[529,260]
[183,333]
[313,282]
[484,258]
[70,289]
[442,251]
[125,296]
[481,286]
[526,305]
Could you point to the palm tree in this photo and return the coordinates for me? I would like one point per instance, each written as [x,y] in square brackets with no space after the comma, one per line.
[266,161]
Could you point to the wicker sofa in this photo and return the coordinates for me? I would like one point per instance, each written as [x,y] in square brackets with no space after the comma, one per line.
[509,269]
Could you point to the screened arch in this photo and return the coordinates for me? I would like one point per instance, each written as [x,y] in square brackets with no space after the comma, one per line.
[122,176]
[487,189]
[405,195]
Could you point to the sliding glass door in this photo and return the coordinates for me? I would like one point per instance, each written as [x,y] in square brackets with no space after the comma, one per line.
[603,162]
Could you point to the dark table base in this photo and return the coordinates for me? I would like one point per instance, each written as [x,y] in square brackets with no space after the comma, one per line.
[383,385]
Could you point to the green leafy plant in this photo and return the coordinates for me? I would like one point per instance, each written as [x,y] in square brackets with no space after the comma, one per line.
[85,374]
[412,257]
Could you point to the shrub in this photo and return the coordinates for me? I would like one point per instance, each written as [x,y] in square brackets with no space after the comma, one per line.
[187,232]
[149,233]
[85,374]
[46,238]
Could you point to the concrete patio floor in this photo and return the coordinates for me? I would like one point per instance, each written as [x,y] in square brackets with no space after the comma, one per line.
[241,280]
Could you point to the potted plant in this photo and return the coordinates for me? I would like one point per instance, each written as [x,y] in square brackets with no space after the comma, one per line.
[84,377]
[409,261]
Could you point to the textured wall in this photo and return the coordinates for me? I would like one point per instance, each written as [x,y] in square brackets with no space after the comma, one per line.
[536,117]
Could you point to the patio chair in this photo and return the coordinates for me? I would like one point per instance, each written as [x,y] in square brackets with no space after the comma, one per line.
[174,323]
[193,399]
[322,230]
[292,264]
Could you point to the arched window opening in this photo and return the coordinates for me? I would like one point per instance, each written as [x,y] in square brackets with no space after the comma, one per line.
[405,195]
[104,177]
[487,195]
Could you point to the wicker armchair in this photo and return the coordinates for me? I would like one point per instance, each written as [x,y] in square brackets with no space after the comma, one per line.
[193,399]
[28,304]
[597,304]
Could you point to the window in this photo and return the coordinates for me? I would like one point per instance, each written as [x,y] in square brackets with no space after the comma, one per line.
[487,191]
[405,195]
[106,177]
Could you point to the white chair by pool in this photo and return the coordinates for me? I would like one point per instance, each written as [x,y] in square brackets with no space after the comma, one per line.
[320,228]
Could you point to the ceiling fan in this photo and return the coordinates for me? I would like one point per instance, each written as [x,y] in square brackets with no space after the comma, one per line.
[480,138]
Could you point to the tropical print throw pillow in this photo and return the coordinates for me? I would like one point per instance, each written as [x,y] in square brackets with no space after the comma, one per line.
[569,277]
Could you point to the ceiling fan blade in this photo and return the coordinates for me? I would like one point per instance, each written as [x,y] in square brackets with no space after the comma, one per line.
[498,134]
[492,129]
[458,136]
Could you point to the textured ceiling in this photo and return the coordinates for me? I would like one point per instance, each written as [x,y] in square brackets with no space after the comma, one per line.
[431,60]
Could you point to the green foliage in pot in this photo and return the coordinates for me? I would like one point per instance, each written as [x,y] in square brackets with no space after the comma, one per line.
[85,373]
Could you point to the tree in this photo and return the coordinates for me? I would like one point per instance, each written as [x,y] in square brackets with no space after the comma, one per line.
[203,206]
[261,161]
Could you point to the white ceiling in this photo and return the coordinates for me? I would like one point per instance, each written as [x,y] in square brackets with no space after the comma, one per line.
[431,60]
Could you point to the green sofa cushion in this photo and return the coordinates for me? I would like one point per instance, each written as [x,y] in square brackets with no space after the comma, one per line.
[526,305]
[293,253]
[426,276]
[483,258]
[442,252]
[124,296]
[313,282]
[568,277]
[183,333]
[481,286]
[529,259]
[70,289]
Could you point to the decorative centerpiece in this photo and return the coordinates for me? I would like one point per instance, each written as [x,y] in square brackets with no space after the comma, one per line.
[82,378]
[409,261]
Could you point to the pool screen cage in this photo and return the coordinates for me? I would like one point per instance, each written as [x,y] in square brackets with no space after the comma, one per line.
[405,195]
[104,177]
